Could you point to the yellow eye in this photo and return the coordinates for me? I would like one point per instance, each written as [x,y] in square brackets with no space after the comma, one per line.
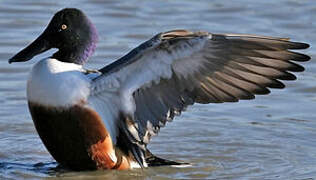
[64,26]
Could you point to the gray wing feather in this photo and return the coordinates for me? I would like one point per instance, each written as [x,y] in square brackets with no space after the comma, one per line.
[178,68]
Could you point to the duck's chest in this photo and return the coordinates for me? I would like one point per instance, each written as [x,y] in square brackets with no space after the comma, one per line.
[57,84]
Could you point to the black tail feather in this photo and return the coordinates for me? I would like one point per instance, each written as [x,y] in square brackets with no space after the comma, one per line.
[153,161]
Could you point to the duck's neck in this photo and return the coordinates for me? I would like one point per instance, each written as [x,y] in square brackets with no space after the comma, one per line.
[77,55]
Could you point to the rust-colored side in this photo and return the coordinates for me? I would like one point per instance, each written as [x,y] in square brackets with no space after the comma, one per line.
[77,138]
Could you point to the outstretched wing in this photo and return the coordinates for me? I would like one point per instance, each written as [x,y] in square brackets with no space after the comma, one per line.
[161,77]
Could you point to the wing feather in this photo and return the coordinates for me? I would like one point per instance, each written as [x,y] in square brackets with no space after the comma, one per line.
[160,78]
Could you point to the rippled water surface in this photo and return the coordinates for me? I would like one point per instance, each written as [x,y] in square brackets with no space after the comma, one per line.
[272,137]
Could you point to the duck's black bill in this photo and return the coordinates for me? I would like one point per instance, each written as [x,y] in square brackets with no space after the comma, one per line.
[36,47]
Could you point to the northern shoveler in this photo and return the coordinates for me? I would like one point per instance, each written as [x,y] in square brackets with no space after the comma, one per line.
[104,119]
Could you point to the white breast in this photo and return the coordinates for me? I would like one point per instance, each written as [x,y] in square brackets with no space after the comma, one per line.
[58,84]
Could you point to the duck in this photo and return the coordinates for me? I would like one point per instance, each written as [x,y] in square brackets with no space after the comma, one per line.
[105,118]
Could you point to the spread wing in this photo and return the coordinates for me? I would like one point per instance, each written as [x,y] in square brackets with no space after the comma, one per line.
[160,78]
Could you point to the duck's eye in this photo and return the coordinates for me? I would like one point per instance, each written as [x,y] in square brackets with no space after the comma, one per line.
[64,26]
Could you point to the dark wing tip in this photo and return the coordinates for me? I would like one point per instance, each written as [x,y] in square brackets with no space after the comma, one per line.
[299,45]
[287,76]
[304,57]
[300,57]
[296,68]
[261,91]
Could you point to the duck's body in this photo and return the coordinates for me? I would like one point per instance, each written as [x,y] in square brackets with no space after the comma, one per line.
[69,126]
[104,119]
[75,136]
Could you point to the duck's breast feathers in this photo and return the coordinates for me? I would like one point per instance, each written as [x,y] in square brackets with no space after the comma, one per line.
[57,84]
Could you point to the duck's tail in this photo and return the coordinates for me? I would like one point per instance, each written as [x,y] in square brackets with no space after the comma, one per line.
[153,161]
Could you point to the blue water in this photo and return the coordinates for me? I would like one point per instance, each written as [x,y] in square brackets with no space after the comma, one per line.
[271,137]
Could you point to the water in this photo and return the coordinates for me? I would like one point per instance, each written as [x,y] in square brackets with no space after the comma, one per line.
[272,137]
